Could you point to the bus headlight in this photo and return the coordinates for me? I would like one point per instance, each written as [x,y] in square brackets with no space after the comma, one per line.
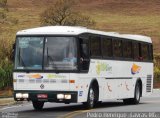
[67,96]
[60,96]
[25,95]
[19,95]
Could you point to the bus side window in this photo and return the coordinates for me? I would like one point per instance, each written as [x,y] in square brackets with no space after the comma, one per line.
[84,53]
[144,51]
[127,49]
[107,47]
[136,51]
[95,46]
[117,48]
[150,50]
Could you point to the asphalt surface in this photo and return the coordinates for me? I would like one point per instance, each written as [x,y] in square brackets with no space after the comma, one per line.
[60,110]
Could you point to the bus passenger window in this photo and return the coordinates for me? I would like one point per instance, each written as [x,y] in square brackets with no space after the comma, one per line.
[144,50]
[150,52]
[95,46]
[107,47]
[136,51]
[117,48]
[127,49]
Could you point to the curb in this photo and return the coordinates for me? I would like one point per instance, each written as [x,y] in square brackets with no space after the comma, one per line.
[1,97]
[7,104]
[6,101]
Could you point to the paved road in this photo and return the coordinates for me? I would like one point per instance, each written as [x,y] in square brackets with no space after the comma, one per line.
[55,110]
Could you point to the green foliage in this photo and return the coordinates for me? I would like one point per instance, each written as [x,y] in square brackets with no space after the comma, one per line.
[156,74]
[64,13]
[5,49]
[5,62]
[156,68]
[6,74]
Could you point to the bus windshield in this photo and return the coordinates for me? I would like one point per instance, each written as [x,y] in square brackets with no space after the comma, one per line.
[49,53]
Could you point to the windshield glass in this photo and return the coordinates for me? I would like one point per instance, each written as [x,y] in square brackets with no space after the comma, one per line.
[60,53]
[29,53]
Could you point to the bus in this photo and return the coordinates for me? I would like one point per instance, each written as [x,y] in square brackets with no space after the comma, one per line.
[71,64]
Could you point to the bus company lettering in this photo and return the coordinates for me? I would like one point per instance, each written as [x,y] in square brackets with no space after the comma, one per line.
[53,76]
[103,67]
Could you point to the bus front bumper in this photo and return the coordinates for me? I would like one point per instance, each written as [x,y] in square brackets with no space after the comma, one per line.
[46,96]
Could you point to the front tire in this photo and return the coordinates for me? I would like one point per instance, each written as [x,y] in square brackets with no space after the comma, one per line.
[38,105]
[137,95]
[91,99]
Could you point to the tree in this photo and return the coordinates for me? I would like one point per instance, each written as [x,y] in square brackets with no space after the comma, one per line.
[64,13]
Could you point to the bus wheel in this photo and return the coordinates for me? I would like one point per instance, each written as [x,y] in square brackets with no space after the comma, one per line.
[91,99]
[137,94]
[136,98]
[38,105]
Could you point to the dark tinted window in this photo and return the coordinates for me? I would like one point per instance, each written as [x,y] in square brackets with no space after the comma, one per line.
[95,46]
[136,50]
[84,53]
[127,49]
[117,48]
[144,51]
[150,52]
[107,47]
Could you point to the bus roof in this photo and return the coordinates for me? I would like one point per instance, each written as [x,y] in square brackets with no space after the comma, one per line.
[75,30]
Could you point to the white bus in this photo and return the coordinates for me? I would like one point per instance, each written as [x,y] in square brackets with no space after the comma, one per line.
[78,65]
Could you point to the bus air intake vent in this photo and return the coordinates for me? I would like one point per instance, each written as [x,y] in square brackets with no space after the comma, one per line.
[149,83]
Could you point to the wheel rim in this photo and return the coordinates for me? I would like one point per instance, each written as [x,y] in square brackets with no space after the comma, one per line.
[137,93]
[91,96]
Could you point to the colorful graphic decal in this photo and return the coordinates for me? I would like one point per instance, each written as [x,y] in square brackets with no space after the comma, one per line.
[103,67]
[53,76]
[35,76]
[135,69]
[38,76]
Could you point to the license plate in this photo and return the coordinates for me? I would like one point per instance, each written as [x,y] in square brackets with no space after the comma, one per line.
[42,96]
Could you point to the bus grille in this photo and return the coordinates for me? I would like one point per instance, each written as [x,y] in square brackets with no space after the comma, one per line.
[149,83]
